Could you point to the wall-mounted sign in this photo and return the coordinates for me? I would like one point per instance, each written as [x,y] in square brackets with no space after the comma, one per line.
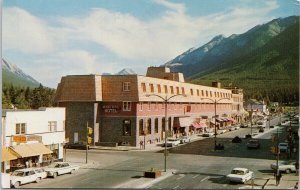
[110,108]
[34,138]
[19,138]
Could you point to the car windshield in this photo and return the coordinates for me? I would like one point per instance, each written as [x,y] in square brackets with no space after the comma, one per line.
[171,140]
[55,165]
[282,144]
[18,173]
[237,172]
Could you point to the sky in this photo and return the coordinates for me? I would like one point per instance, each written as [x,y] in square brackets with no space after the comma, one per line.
[49,39]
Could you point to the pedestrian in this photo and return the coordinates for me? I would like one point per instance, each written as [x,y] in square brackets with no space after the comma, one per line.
[27,164]
[141,144]
[297,167]
[296,185]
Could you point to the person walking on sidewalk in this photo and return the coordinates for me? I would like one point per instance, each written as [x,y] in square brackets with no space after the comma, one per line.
[141,144]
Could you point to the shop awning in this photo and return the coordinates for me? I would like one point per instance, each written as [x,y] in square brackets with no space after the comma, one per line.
[7,155]
[28,150]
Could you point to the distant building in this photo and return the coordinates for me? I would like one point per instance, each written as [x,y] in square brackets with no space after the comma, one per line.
[257,106]
[36,135]
[119,109]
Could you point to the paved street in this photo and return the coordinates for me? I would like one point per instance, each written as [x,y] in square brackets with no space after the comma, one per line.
[192,165]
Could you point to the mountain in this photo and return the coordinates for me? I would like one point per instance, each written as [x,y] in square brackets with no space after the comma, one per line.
[11,74]
[126,71]
[264,61]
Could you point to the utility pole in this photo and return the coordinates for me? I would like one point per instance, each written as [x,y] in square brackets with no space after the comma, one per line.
[277,160]
[86,146]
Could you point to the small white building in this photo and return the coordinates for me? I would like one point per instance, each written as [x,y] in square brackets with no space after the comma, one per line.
[257,106]
[42,130]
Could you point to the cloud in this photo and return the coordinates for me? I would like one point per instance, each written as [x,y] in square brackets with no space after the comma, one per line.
[25,32]
[65,44]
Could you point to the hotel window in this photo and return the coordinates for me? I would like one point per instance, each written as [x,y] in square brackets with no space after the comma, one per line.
[192,92]
[210,93]
[198,93]
[151,88]
[21,128]
[215,94]
[149,105]
[218,94]
[206,93]
[149,126]
[141,106]
[158,88]
[202,92]
[126,86]
[163,124]
[141,127]
[52,126]
[156,125]
[182,89]
[169,124]
[126,106]
[144,87]
[172,89]
[126,127]
[166,89]
[177,90]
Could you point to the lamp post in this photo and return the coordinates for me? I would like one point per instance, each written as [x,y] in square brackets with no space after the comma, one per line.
[215,102]
[166,99]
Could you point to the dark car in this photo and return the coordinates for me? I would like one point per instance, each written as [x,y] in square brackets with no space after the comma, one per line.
[236,139]
[80,146]
[248,136]
[272,126]
[261,130]
[253,144]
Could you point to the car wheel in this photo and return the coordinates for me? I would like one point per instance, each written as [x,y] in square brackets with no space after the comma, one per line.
[288,171]
[72,171]
[17,184]
[38,180]
[55,175]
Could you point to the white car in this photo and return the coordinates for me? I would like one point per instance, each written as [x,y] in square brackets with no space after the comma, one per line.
[283,147]
[208,134]
[221,131]
[262,124]
[28,175]
[184,139]
[285,123]
[172,142]
[59,168]
[240,175]
[285,166]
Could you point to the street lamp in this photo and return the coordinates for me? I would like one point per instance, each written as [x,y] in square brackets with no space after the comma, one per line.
[166,99]
[215,102]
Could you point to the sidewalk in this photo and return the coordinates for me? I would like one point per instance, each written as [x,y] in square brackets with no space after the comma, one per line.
[286,182]
[148,147]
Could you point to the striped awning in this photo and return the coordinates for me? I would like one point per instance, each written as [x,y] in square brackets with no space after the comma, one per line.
[28,150]
[7,155]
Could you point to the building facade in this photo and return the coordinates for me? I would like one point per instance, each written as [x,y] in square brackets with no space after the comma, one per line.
[32,134]
[129,109]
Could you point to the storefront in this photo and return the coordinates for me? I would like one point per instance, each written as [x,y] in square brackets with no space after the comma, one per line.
[7,157]
[30,155]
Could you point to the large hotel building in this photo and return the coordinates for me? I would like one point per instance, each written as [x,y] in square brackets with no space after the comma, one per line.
[128,109]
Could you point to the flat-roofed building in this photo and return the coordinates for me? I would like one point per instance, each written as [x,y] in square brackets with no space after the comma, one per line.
[120,110]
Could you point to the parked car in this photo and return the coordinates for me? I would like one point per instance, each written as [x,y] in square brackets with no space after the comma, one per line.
[171,142]
[272,126]
[236,139]
[253,143]
[28,175]
[261,130]
[59,168]
[221,131]
[248,136]
[240,175]
[244,125]
[285,166]
[285,123]
[184,139]
[283,147]
[208,134]
[261,124]
[78,145]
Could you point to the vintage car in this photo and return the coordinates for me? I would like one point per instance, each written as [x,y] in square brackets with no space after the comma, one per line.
[240,175]
[172,142]
[28,175]
[285,166]
[283,147]
[184,139]
[253,144]
[208,134]
[59,168]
